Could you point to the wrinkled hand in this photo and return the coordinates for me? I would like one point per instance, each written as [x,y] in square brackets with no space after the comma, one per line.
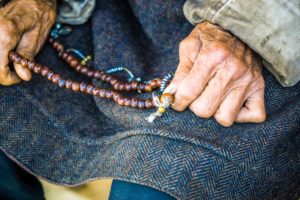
[24,26]
[218,76]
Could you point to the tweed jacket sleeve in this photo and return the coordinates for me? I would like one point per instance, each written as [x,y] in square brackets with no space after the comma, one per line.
[271,28]
[75,11]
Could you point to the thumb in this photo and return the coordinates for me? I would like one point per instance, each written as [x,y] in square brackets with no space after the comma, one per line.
[27,48]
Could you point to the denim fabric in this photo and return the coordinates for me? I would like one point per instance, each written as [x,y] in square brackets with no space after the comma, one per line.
[70,138]
[16,184]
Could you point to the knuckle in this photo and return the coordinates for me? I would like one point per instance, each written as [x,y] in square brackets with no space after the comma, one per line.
[224,119]
[259,116]
[202,110]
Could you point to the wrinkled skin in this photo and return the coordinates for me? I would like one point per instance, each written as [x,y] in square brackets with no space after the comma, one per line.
[218,76]
[24,26]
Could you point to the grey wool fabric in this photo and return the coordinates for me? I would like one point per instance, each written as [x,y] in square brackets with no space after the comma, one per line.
[71,138]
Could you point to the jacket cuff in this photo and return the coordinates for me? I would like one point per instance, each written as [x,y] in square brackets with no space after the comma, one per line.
[75,12]
[197,11]
[269,27]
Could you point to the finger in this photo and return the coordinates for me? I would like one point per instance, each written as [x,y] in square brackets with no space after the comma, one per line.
[27,47]
[193,84]
[188,53]
[254,110]
[231,106]
[7,43]
[214,93]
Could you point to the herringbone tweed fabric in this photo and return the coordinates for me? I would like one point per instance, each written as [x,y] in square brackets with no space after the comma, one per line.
[70,138]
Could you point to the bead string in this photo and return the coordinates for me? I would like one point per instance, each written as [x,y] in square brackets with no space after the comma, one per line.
[162,102]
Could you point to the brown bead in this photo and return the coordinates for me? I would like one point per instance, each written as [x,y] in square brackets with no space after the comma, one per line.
[84,70]
[127,101]
[24,62]
[44,71]
[109,94]
[31,65]
[108,78]
[74,63]
[134,102]
[49,75]
[128,87]
[103,77]
[116,85]
[98,74]
[37,68]
[149,104]
[154,83]
[83,87]
[78,68]
[96,91]
[68,84]
[90,89]
[148,88]
[59,47]
[70,57]
[134,85]
[90,73]
[121,87]
[17,58]
[159,81]
[102,93]
[64,55]
[54,44]
[75,86]
[141,87]
[113,81]
[116,96]
[141,104]
[55,78]
[61,82]
[121,101]
[51,40]
[167,95]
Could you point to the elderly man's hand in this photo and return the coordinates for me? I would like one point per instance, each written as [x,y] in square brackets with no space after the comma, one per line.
[24,25]
[218,76]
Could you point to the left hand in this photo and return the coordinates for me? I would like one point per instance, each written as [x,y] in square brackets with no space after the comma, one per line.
[218,76]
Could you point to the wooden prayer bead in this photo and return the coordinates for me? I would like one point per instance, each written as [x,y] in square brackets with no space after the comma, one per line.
[102,93]
[121,101]
[149,104]
[75,86]
[103,77]
[148,88]
[109,94]
[30,65]
[61,83]
[96,91]
[116,96]
[68,84]
[64,55]
[70,58]
[134,85]
[49,75]
[98,74]
[23,62]
[108,78]
[83,87]
[84,69]
[90,89]
[121,87]
[134,102]
[44,71]
[37,68]
[113,81]
[127,101]
[141,104]
[90,73]
[141,87]
[128,87]
[74,63]
[55,78]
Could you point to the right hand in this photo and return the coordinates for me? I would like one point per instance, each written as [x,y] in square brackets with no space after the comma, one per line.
[24,27]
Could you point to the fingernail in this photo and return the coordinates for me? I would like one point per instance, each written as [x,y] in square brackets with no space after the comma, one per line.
[171,89]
